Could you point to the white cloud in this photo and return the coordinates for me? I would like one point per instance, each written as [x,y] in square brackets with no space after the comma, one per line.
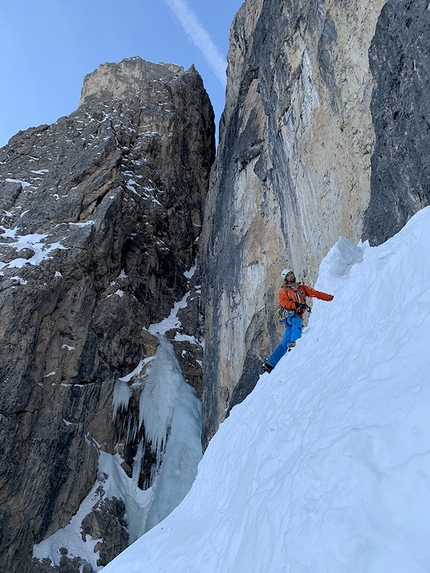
[200,37]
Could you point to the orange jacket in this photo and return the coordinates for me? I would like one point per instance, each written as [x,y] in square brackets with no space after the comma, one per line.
[289,298]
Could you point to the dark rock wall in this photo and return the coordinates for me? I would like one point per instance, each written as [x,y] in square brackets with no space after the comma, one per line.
[400,63]
[111,197]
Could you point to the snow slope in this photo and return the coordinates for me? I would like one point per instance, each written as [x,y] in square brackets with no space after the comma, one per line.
[325,467]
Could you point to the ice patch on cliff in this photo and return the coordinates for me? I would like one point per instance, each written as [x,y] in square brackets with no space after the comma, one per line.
[172,321]
[33,242]
[171,414]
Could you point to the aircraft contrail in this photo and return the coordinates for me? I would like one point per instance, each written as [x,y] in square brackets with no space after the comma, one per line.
[200,37]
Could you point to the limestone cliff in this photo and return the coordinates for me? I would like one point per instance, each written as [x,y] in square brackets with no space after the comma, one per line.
[324,134]
[100,213]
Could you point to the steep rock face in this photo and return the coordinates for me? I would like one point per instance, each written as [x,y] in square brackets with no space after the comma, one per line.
[100,213]
[400,63]
[296,166]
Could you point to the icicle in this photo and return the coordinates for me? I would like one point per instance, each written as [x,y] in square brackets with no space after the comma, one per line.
[121,397]
[137,463]
[159,396]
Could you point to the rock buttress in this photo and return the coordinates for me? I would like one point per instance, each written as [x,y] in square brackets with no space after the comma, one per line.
[100,213]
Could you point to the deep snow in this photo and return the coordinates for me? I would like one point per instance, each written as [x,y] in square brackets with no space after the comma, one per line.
[325,467]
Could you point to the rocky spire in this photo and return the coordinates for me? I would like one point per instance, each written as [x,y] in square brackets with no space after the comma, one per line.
[99,220]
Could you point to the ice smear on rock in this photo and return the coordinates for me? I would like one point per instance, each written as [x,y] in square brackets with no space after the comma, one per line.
[170,412]
[181,457]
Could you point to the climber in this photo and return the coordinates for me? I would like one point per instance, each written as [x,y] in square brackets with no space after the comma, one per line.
[292,298]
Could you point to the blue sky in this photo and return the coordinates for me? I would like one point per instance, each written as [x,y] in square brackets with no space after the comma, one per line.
[48,46]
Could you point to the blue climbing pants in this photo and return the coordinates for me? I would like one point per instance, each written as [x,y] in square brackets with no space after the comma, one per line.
[293,331]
